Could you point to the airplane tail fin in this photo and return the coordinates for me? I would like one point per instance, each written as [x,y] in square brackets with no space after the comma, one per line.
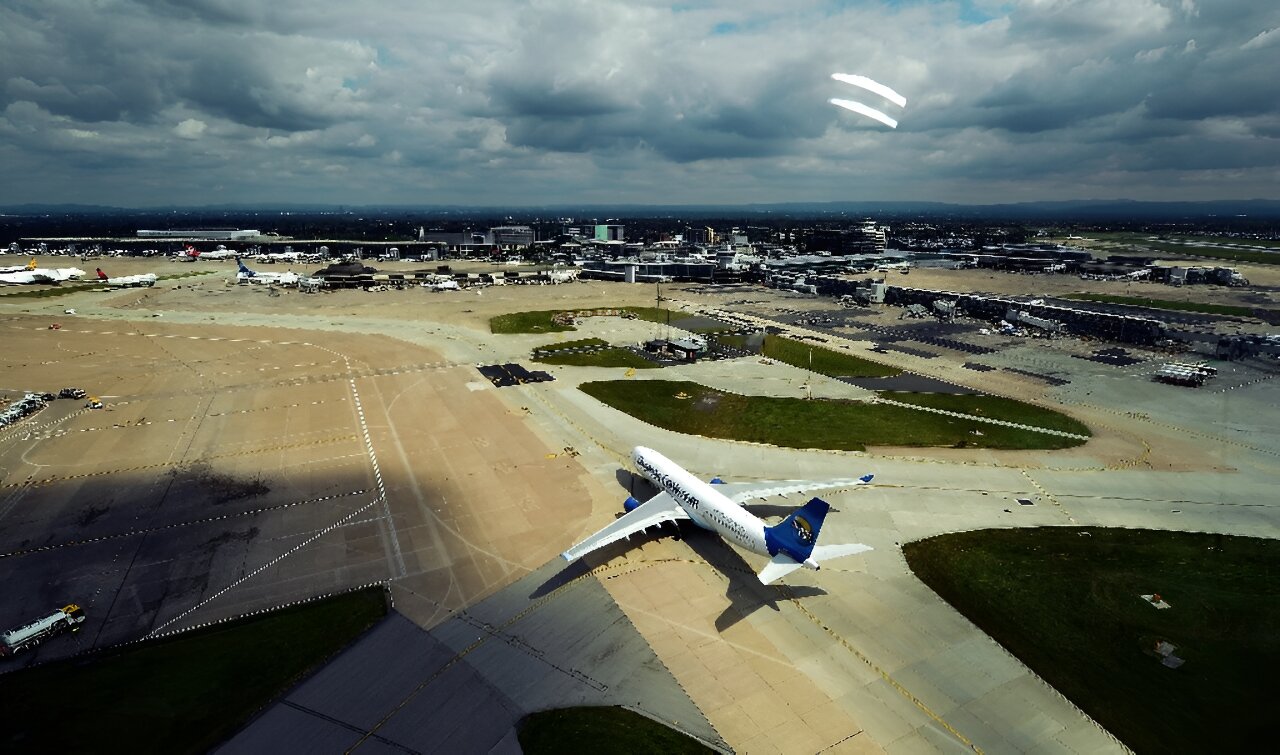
[796,535]
[243,269]
[101,275]
[794,542]
[32,264]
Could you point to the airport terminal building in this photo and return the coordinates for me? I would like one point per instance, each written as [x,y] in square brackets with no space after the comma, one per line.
[205,234]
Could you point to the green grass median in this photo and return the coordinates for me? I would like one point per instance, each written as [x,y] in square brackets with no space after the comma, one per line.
[1066,601]
[993,407]
[822,360]
[610,357]
[602,731]
[696,409]
[179,694]
[540,321]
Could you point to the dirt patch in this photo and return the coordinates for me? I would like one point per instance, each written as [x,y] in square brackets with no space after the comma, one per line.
[707,402]
[217,487]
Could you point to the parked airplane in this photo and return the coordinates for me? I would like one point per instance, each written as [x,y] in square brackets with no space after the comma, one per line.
[441,283]
[128,281]
[32,274]
[245,275]
[19,268]
[789,544]
[221,253]
[562,276]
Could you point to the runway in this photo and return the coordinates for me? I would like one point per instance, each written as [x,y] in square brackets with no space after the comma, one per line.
[390,459]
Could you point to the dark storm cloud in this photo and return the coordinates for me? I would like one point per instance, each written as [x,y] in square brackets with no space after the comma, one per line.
[495,101]
[241,87]
[225,12]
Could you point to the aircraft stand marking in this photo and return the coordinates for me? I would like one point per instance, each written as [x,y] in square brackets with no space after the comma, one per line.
[159,465]
[177,525]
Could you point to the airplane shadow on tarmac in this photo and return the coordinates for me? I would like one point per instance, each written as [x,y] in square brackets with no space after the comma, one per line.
[744,590]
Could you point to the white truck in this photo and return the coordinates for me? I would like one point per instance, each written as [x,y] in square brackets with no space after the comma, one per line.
[65,619]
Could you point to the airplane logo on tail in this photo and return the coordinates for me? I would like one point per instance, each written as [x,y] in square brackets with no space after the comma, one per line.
[803,530]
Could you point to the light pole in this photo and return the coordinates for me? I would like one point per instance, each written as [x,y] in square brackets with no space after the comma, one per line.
[809,382]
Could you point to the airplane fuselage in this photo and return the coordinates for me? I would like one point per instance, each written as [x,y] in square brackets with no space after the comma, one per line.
[706,506]
[789,545]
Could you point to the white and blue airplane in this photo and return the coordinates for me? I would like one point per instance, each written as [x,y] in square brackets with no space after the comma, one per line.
[718,506]
[245,275]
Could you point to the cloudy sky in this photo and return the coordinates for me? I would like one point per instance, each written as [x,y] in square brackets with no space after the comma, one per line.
[485,102]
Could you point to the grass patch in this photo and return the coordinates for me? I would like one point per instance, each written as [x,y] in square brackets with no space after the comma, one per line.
[540,321]
[1067,605]
[824,361]
[578,344]
[801,423]
[736,341]
[181,694]
[611,357]
[192,274]
[48,293]
[1178,306]
[601,730]
[994,407]
[1197,247]
[556,353]
[528,322]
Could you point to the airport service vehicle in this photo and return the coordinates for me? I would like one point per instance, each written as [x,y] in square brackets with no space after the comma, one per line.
[65,619]
[718,506]
[245,275]
[127,281]
[76,393]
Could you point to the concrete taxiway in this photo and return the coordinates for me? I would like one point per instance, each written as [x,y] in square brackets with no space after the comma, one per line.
[389,458]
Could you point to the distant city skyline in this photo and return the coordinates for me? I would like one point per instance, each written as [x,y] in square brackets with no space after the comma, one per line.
[205,102]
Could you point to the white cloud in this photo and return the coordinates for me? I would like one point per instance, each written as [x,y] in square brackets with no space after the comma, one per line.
[1265,38]
[191,128]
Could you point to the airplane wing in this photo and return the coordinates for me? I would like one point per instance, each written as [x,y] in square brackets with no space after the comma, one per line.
[661,508]
[826,552]
[746,492]
[781,565]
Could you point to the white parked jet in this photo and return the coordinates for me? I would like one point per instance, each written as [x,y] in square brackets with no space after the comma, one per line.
[19,268]
[32,274]
[562,276]
[789,545]
[245,275]
[127,281]
[440,283]
[221,253]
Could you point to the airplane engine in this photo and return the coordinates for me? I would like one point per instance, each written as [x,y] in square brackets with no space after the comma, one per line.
[630,504]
